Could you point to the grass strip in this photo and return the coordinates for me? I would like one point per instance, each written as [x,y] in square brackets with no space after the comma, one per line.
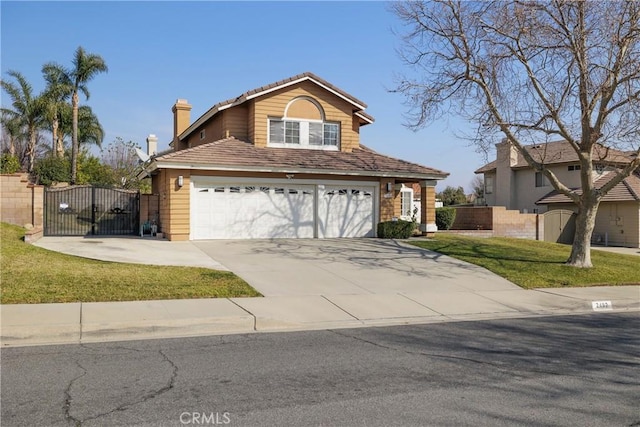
[31,275]
[535,264]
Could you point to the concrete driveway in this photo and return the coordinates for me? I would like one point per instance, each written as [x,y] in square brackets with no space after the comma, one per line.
[299,267]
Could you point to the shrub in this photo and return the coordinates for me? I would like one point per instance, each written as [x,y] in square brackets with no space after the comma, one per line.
[9,163]
[396,229]
[49,170]
[445,218]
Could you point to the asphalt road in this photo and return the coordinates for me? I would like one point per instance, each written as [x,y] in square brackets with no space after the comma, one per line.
[564,371]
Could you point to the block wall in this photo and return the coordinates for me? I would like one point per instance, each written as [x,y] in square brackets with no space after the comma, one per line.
[502,222]
[21,202]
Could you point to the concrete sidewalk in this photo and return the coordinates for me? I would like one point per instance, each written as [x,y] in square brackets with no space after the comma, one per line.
[37,324]
[308,285]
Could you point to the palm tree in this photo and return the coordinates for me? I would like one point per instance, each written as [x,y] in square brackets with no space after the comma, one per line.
[28,110]
[90,130]
[56,94]
[85,67]
[13,129]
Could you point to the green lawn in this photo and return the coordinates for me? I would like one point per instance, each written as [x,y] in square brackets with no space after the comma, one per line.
[534,264]
[34,275]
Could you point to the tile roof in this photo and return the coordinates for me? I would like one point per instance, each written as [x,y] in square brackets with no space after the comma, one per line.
[232,153]
[561,152]
[626,191]
[274,86]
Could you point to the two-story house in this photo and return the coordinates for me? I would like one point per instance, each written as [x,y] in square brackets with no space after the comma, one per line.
[509,181]
[282,161]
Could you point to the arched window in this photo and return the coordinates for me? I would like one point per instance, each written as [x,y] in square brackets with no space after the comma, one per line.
[304,126]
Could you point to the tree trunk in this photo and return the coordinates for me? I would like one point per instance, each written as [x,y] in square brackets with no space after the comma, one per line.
[581,248]
[31,149]
[58,149]
[12,145]
[74,138]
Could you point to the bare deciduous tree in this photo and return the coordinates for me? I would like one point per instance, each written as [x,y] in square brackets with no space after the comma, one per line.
[531,72]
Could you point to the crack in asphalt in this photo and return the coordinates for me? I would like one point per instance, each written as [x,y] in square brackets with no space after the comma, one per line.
[68,399]
[123,407]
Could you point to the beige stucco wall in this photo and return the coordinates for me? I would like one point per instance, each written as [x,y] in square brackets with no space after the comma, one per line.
[526,193]
[617,224]
[620,223]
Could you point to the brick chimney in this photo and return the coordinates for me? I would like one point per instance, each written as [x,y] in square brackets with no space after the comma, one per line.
[152,145]
[181,120]
[506,159]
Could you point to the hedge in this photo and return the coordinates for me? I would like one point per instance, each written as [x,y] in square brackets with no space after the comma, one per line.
[396,229]
[445,217]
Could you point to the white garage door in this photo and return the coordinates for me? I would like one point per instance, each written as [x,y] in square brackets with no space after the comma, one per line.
[252,211]
[346,211]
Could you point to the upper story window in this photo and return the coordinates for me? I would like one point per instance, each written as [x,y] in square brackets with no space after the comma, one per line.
[304,125]
[573,167]
[303,133]
[541,180]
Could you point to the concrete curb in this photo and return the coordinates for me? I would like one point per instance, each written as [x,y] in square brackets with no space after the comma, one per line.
[73,323]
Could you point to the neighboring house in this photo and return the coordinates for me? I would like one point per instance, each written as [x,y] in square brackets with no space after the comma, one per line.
[282,161]
[511,182]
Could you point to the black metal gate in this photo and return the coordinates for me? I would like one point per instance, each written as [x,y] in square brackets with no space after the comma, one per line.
[86,210]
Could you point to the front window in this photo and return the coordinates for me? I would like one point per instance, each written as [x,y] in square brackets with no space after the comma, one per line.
[488,184]
[304,133]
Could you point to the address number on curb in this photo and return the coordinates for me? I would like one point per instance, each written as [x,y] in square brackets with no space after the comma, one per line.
[601,305]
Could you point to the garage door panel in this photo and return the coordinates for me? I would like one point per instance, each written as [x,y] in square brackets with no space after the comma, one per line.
[252,211]
[346,211]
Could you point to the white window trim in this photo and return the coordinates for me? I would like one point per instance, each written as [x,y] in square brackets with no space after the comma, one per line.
[406,193]
[304,134]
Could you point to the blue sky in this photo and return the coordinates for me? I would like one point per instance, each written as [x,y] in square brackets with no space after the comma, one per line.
[207,52]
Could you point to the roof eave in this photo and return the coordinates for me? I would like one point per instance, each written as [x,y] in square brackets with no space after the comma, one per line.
[227,168]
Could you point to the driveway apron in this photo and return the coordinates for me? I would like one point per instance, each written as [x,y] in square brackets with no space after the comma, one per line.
[298,267]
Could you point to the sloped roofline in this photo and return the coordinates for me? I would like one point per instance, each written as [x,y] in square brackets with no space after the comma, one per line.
[263,90]
[614,156]
[356,163]
[631,184]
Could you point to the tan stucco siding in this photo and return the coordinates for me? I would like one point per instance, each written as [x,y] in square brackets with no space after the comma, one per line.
[234,122]
[430,203]
[213,132]
[387,200]
[251,125]
[174,203]
[335,110]
[304,109]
